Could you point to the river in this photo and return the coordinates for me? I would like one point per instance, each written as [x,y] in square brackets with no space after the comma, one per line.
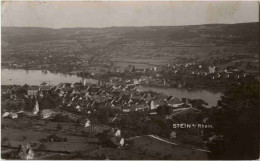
[36,77]
[208,96]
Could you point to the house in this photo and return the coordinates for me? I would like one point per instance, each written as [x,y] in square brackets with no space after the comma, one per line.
[122,141]
[176,105]
[155,104]
[179,85]
[136,81]
[86,123]
[115,79]
[32,91]
[116,142]
[47,113]
[13,115]
[126,109]
[26,152]
[140,107]
[63,85]
[173,101]
[173,135]
[6,114]
[79,108]
[75,92]
[36,108]
[66,89]
[153,113]
[45,88]
[145,79]
[212,69]
[115,132]
[60,85]
[77,85]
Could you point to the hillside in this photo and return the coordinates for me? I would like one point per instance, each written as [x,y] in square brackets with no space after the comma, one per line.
[155,44]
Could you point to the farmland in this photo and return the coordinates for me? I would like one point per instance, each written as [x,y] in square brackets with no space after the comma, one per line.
[140,46]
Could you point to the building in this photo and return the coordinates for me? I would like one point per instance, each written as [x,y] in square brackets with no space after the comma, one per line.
[154,104]
[126,109]
[135,81]
[26,152]
[36,108]
[173,135]
[145,79]
[115,132]
[45,88]
[32,91]
[87,123]
[47,113]
[212,69]
[116,142]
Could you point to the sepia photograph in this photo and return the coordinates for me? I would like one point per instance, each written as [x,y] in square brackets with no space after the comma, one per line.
[129,80]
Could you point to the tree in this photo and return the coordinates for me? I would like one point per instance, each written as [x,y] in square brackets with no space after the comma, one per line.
[160,110]
[59,127]
[26,86]
[164,110]
[235,122]
[103,116]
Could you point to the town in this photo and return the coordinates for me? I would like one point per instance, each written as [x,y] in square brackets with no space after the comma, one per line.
[107,115]
[162,91]
[111,114]
[187,75]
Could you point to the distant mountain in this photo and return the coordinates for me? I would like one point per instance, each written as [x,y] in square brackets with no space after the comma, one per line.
[153,44]
[21,35]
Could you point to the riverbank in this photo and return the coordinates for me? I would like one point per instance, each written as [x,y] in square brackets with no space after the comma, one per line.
[89,76]
[211,98]
[41,69]
[211,89]
[36,77]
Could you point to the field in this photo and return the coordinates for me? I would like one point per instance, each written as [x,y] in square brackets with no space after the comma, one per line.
[78,145]
[163,150]
[140,46]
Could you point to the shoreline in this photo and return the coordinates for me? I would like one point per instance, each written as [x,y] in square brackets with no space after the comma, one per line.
[210,89]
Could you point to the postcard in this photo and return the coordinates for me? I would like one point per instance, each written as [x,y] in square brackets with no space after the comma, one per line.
[130,80]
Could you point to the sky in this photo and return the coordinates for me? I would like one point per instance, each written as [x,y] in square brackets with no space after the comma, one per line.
[107,14]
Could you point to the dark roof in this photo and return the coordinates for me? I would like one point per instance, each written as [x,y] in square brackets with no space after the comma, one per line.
[33,88]
[66,89]
[45,87]
[78,83]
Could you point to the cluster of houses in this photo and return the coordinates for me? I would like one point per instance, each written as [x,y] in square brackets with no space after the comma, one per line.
[167,76]
[212,72]
[49,62]
[87,98]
